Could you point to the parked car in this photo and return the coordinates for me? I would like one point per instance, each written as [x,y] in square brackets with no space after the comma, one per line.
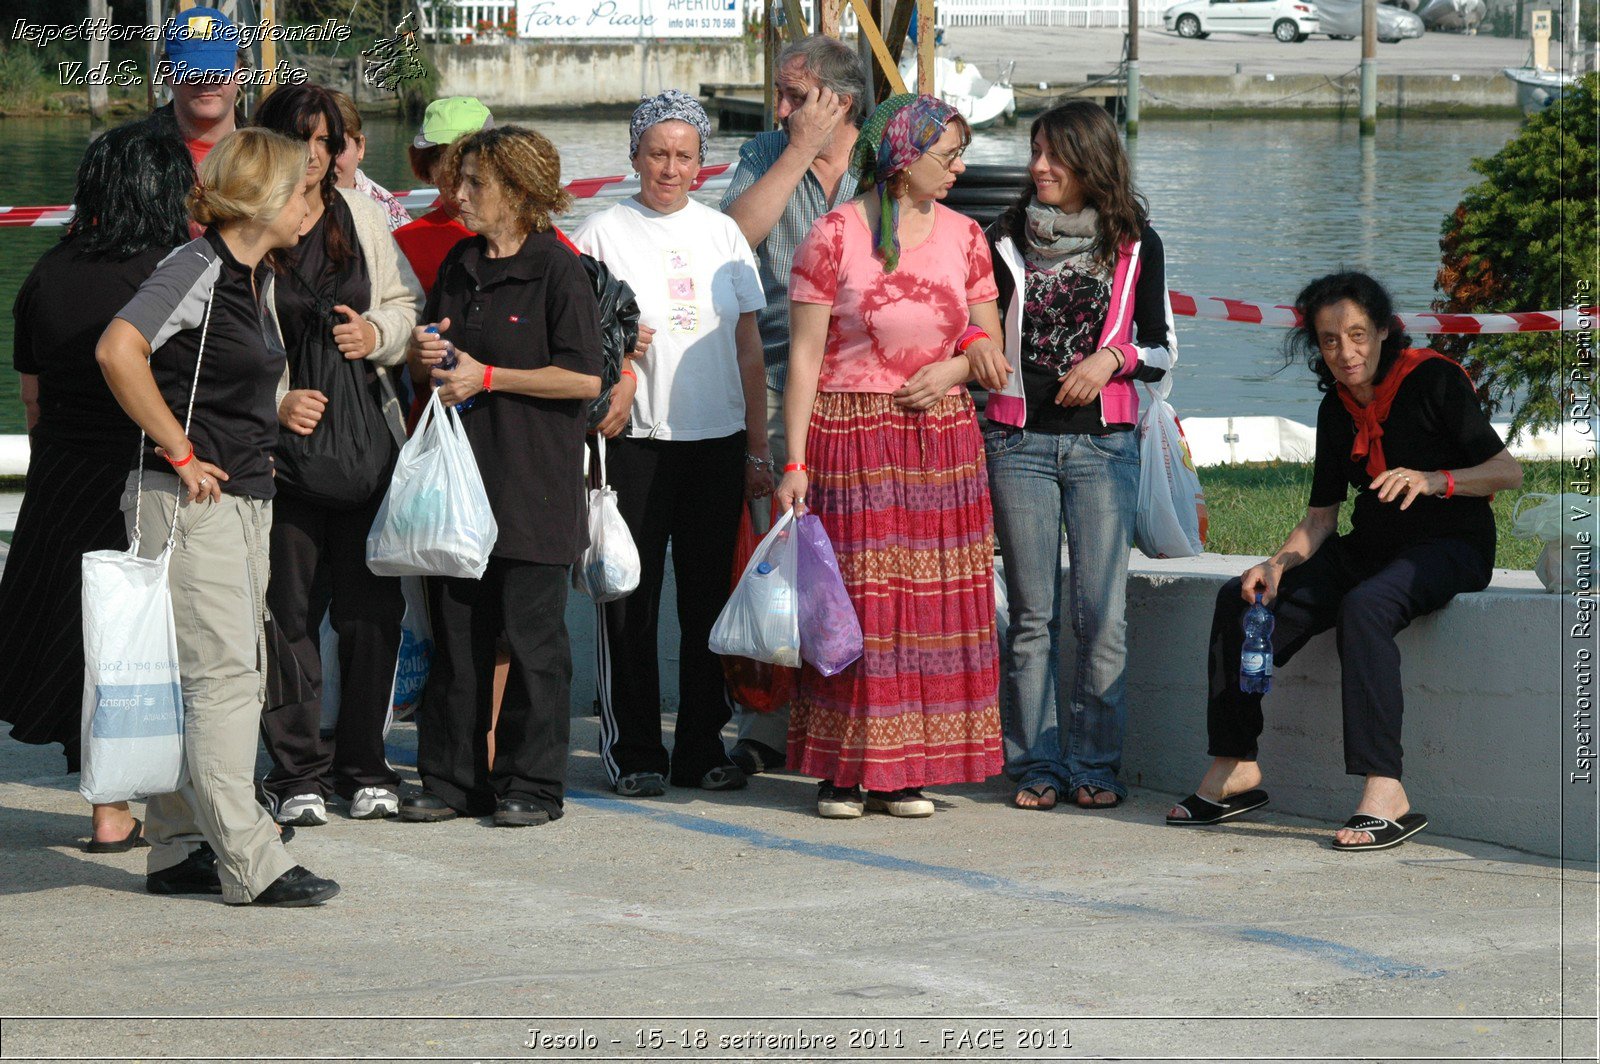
[1341,20]
[1287,20]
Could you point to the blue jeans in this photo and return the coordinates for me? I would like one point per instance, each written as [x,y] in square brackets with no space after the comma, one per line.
[1039,481]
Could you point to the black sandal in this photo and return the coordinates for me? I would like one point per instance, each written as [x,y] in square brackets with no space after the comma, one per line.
[1203,811]
[1095,792]
[1385,833]
[134,840]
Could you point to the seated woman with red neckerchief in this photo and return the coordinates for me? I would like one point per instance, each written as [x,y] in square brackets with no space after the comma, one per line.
[1405,428]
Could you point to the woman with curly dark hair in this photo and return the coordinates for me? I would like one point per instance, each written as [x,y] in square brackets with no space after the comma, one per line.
[130,213]
[519,312]
[1404,427]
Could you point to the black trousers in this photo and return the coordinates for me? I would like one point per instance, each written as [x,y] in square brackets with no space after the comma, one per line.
[527,602]
[1367,604]
[687,492]
[319,566]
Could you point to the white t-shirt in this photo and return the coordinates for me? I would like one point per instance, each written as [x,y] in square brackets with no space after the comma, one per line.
[694,274]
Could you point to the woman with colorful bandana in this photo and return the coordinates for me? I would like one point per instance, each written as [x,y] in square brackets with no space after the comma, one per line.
[884,447]
[1404,427]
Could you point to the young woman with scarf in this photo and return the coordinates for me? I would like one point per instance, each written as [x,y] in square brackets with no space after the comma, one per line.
[884,447]
[1082,282]
[1404,427]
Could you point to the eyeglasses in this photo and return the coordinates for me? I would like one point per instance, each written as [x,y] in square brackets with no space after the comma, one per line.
[947,159]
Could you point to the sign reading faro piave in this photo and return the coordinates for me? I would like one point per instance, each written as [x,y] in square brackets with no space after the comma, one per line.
[538,19]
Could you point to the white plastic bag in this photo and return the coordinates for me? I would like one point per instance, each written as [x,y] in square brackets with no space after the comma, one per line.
[762,620]
[1171,520]
[416,653]
[132,701]
[609,567]
[435,518]
[1569,526]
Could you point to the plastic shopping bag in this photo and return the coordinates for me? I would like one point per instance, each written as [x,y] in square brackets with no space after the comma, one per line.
[830,631]
[762,619]
[759,686]
[435,518]
[609,567]
[1569,525]
[416,651]
[132,701]
[1171,520]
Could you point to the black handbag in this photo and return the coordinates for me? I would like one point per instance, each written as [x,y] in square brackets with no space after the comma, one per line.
[349,456]
[619,331]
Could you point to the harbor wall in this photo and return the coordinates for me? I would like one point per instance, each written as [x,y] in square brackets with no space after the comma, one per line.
[582,74]
[1176,94]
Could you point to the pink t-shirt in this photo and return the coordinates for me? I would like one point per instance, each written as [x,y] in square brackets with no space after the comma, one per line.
[886,326]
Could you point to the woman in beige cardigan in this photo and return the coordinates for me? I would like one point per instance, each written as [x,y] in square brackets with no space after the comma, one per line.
[346,302]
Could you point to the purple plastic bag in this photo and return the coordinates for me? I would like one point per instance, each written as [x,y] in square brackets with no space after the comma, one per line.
[830,632]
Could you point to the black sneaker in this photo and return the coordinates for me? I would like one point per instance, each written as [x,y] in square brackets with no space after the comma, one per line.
[839,803]
[516,813]
[195,874]
[755,758]
[297,888]
[425,808]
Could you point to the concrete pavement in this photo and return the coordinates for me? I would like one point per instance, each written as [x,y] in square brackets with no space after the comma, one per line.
[643,920]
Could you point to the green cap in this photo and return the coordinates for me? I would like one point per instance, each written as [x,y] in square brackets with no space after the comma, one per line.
[452,117]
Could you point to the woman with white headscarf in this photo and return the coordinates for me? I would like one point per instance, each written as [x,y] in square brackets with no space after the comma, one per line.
[696,449]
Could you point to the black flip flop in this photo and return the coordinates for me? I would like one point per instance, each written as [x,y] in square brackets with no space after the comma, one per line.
[1038,791]
[132,842]
[1385,833]
[1203,811]
[1095,792]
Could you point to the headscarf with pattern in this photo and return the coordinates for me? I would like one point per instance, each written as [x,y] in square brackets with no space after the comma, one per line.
[669,105]
[901,129]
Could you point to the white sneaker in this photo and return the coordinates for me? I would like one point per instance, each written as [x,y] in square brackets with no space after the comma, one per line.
[305,810]
[374,803]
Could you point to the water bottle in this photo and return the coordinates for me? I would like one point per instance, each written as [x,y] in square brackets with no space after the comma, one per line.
[1255,660]
[449,362]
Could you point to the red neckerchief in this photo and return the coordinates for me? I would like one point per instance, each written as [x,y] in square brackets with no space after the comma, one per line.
[1369,419]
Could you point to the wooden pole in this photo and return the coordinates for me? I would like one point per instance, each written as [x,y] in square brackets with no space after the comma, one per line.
[1130,110]
[99,55]
[925,36]
[269,51]
[869,30]
[769,63]
[1369,67]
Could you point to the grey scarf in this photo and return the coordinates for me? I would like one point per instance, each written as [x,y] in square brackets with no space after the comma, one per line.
[1056,238]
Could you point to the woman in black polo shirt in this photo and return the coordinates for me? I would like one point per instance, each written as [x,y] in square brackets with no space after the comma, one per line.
[130,213]
[520,313]
[199,343]
[1404,427]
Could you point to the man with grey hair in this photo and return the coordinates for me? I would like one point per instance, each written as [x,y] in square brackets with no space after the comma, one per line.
[787,179]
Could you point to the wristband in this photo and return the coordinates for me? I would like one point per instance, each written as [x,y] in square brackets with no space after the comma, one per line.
[488,378]
[1449,483]
[1122,361]
[970,337]
[185,461]
[795,467]
[629,373]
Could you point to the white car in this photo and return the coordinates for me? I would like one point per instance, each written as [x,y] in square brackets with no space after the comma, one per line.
[1287,20]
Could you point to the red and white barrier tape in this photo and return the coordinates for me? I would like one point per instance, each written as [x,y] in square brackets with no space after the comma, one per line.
[1211,308]
[1215,308]
[710,179]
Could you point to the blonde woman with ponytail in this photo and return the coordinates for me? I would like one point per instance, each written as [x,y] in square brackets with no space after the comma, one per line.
[194,359]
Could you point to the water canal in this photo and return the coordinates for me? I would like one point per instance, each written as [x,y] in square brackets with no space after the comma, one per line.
[1247,209]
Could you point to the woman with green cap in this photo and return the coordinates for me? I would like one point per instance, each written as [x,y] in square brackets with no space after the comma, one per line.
[892,303]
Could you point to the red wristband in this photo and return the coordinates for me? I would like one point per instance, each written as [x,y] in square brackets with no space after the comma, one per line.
[488,378]
[1449,483]
[795,467]
[629,373]
[970,337]
[185,461]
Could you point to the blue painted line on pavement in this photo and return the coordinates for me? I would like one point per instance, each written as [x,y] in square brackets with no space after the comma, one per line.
[1347,957]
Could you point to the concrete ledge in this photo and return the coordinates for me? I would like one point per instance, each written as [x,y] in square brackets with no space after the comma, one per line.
[1488,730]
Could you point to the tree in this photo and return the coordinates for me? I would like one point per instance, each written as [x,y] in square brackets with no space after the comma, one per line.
[1523,239]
